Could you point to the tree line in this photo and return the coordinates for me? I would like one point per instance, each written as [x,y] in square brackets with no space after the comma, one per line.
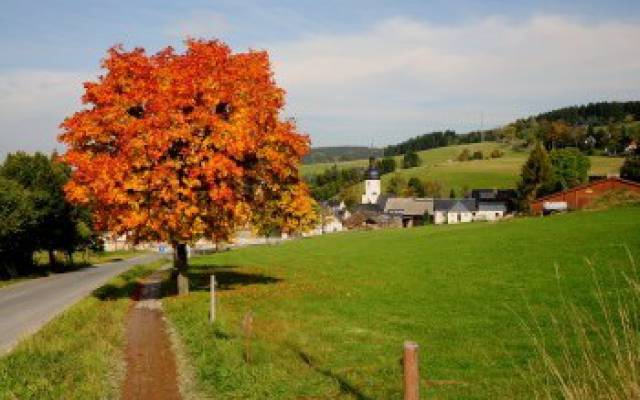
[434,140]
[35,214]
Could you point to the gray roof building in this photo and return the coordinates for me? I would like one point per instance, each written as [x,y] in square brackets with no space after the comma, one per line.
[407,206]
[492,206]
[454,205]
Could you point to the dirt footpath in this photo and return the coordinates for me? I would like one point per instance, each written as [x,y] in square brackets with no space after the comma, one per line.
[151,364]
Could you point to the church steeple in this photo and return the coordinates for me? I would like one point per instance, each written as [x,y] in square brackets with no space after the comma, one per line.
[371,183]
[372,173]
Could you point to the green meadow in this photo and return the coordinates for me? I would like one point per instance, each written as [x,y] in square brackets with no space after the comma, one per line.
[441,165]
[331,312]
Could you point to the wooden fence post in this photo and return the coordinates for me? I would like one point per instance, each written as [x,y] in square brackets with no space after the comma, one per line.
[247,330]
[212,303]
[411,374]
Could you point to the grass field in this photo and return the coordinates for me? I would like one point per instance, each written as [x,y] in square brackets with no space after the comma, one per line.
[440,165]
[332,312]
[78,354]
[427,157]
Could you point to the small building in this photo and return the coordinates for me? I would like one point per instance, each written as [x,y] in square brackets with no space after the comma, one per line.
[490,211]
[507,197]
[453,211]
[581,196]
[412,210]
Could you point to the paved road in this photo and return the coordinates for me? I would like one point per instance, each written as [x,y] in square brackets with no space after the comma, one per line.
[25,307]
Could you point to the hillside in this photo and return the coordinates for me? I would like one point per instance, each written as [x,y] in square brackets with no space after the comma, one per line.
[440,165]
[331,313]
[340,153]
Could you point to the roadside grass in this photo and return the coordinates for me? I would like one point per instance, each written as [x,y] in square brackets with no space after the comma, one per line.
[331,313]
[78,355]
[42,268]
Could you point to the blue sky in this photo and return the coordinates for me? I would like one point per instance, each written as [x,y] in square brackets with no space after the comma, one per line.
[356,71]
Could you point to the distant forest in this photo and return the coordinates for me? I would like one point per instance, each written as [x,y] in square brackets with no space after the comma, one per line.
[606,127]
[594,113]
[437,139]
[340,153]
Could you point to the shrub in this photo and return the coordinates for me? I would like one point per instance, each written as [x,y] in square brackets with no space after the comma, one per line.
[496,153]
[631,168]
[477,155]
[432,189]
[410,160]
[465,155]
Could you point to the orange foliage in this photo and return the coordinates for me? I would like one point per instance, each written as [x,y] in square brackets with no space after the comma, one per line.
[176,147]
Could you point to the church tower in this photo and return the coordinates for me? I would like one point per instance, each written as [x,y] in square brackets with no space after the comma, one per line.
[371,183]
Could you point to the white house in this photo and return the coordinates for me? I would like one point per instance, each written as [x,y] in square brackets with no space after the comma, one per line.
[490,211]
[453,211]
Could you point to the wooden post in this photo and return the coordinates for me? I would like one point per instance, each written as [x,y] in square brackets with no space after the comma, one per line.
[247,330]
[411,375]
[212,305]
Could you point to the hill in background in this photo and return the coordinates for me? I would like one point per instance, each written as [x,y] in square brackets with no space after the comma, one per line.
[340,153]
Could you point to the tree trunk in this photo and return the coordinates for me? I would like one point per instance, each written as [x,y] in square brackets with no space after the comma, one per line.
[180,263]
[52,258]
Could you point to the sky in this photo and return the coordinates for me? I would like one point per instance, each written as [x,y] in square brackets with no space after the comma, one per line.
[355,72]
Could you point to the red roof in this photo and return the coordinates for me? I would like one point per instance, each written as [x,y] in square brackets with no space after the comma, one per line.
[586,185]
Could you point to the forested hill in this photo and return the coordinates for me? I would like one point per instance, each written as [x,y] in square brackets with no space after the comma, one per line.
[605,126]
[594,113]
[436,139]
[340,153]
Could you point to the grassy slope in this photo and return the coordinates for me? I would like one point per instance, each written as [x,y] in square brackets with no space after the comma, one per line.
[440,165]
[332,312]
[427,157]
[76,355]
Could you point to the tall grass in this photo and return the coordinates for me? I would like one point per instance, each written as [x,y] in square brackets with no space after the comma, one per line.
[591,354]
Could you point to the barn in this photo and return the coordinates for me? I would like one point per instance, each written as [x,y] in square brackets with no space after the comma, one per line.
[581,196]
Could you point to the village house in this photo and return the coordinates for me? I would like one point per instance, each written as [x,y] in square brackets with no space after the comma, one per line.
[412,211]
[506,197]
[582,196]
[453,211]
[378,210]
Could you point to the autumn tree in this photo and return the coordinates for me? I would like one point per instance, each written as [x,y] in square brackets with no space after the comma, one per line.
[415,187]
[181,146]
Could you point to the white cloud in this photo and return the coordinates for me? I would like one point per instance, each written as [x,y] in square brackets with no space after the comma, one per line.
[397,79]
[203,24]
[415,76]
[32,105]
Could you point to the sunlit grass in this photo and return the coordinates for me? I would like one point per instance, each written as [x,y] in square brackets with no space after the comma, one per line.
[331,313]
[78,354]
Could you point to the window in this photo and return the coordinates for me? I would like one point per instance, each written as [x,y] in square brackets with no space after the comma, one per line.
[497,215]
